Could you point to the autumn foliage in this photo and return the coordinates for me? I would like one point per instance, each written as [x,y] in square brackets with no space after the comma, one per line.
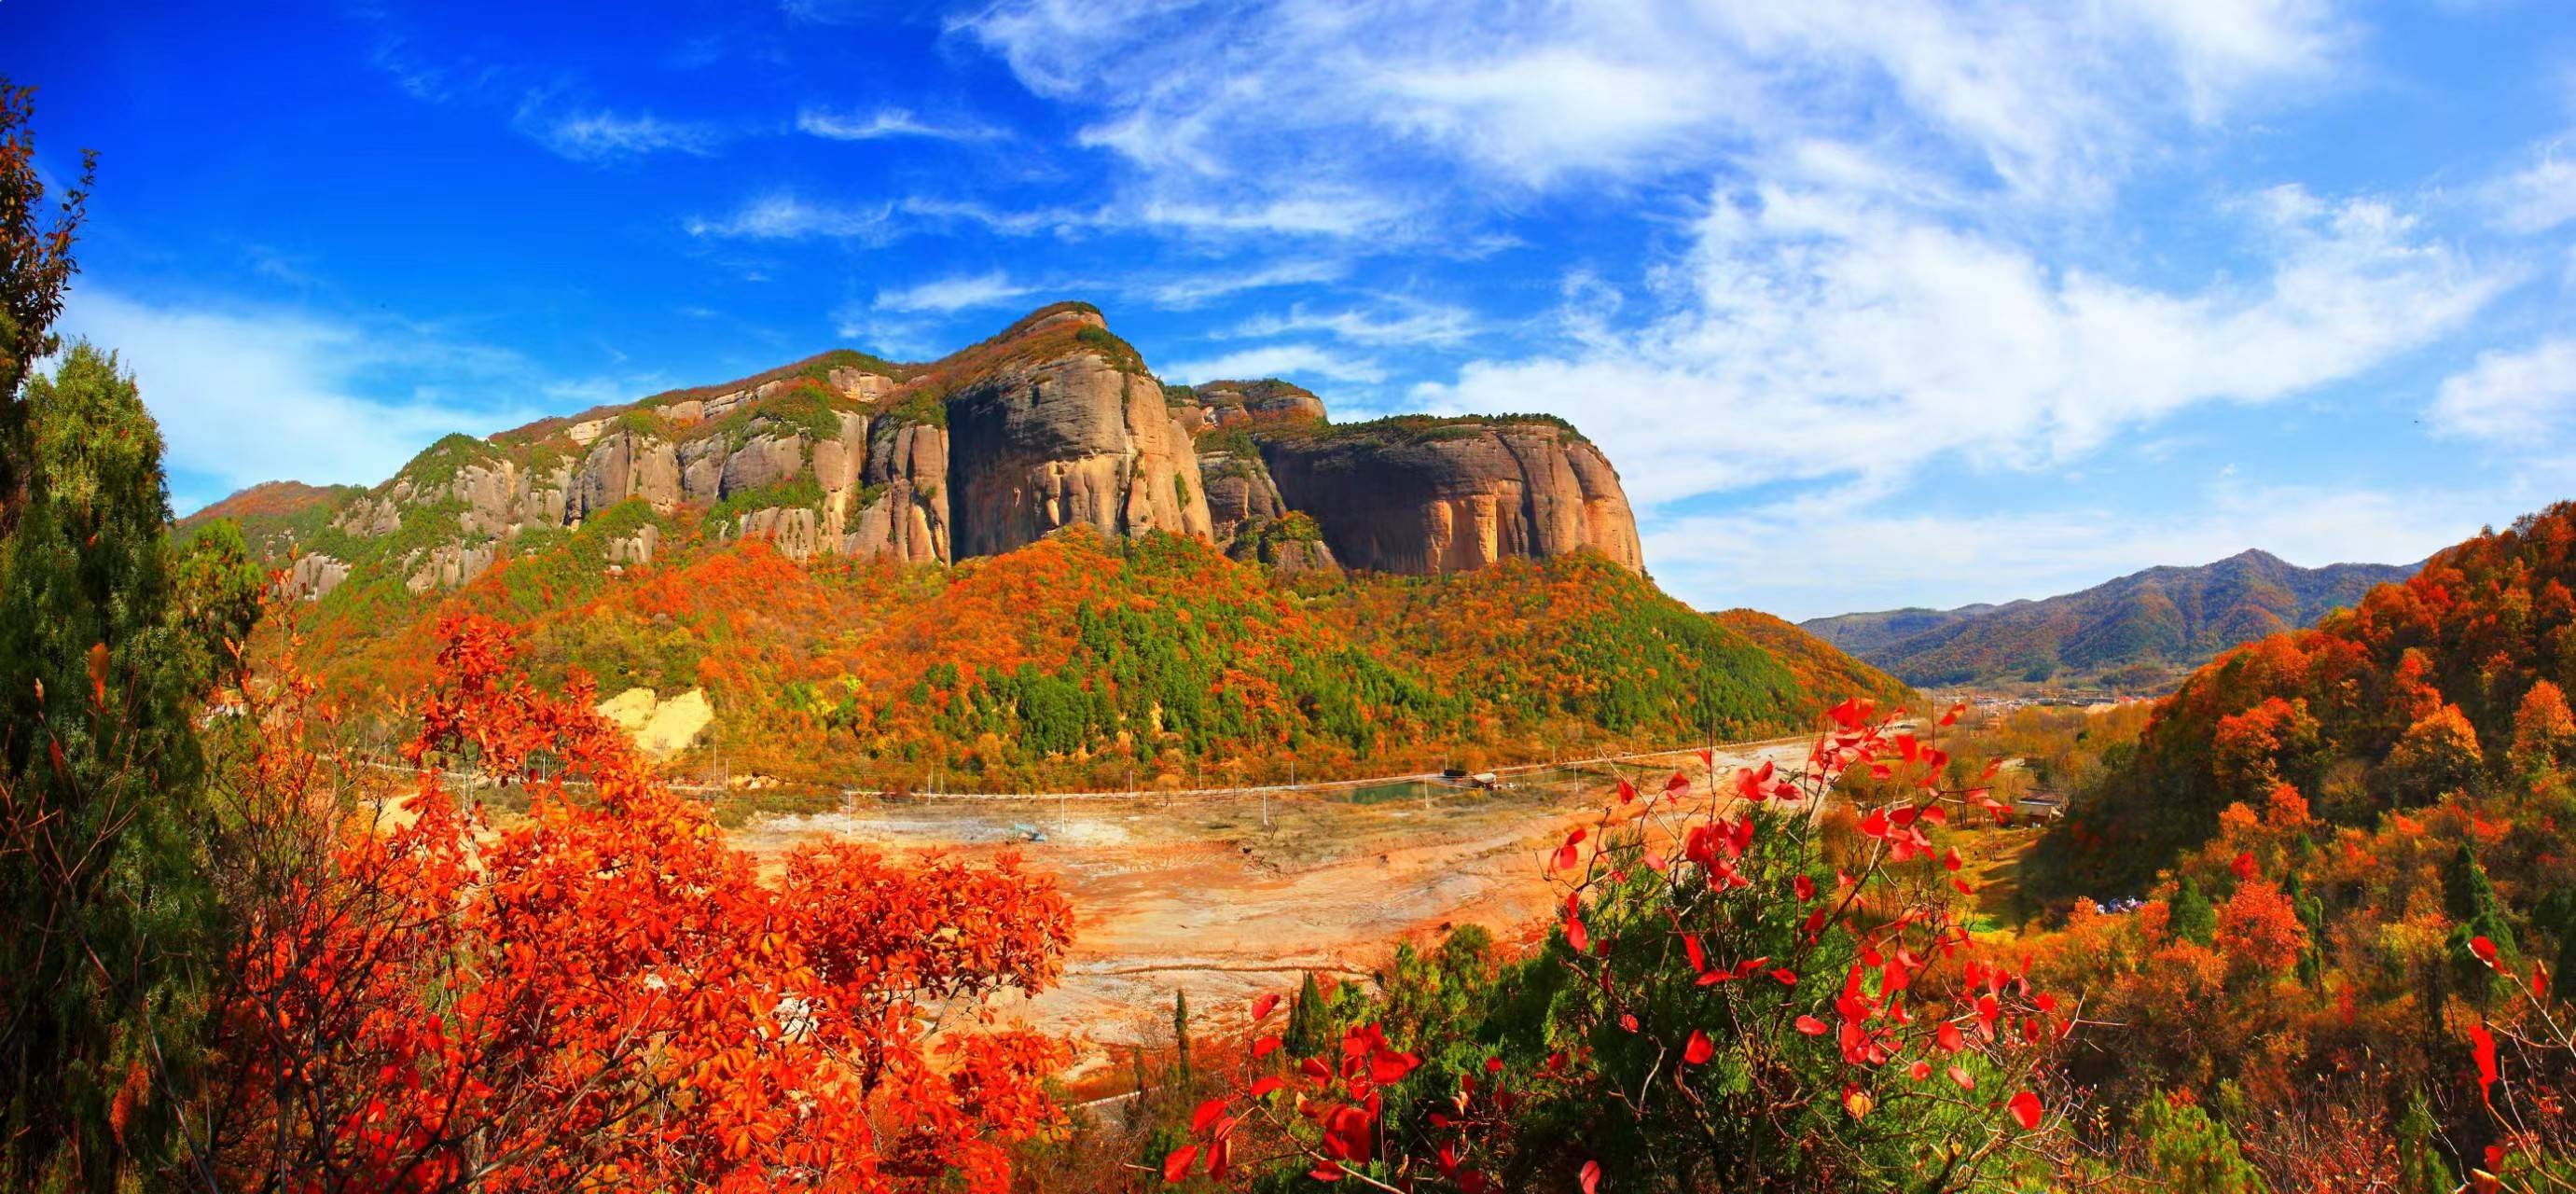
[604,994]
[1747,988]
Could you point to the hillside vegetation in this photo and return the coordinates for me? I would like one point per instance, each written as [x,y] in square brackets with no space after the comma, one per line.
[2360,906]
[1083,661]
[2139,633]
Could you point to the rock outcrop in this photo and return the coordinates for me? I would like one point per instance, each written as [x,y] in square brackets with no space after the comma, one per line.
[312,577]
[1239,490]
[1069,440]
[1051,424]
[903,512]
[1424,495]
[659,728]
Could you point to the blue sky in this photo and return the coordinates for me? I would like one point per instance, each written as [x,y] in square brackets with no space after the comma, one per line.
[1872,303]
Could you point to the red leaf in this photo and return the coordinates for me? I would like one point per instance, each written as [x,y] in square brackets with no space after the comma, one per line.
[1677,785]
[1575,936]
[1264,1047]
[1804,886]
[1961,1077]
[2025,1110]
[2243,865]
[1566,855]
[1590,1176]
[1627,791]
[1267,1084]
[1698,1049]
[1206,1114]
[2485,950]
[1261,1007]
[1177,1165]
[2482,1048]
[1813,1026]
[1952,717]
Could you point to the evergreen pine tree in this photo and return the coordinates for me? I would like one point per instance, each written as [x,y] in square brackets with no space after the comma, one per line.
[2420,1167]
[103,660]
[101,666]
[2192,918]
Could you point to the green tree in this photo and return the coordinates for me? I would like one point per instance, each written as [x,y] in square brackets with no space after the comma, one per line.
[2420,1167]
[1309,1028]
[2193,918]
[2187,1150]
[108,645]
[2471,901]
[35,265]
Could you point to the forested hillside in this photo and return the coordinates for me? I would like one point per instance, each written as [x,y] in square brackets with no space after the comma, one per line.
[1079,660]
[2360,904]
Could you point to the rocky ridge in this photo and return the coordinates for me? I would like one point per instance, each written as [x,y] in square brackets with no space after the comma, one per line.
[1055,422]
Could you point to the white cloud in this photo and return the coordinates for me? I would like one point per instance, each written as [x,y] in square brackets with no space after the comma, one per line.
[784,216]
[1826,335]
[2511,397]
[888,122]
[1276,360]
[1403,323]
[948,295]
[246,395]
[603,136]
[2536,198]
[2049,99]
[1184,293]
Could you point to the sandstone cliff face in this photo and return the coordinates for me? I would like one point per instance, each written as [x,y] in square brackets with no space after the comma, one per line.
[1239,490]
[1457,497]
[906,472]
[1065,441]
[1270,400]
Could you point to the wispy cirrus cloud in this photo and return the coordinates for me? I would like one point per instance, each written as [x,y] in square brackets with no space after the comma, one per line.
[944,296]
[1310,361]
[1395,321]
[785,216]
[1183,293]
[600,136]
[889,122]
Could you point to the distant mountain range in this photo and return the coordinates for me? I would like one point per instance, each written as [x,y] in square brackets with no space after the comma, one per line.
[2140,633]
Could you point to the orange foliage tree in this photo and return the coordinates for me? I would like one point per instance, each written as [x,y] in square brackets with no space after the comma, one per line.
[603,995]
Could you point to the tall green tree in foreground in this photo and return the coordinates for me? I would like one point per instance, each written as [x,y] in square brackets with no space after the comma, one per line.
[103,663]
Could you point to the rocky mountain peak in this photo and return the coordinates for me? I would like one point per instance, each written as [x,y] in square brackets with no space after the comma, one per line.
[1053,422]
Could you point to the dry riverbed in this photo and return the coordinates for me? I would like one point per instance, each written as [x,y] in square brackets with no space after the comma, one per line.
[1228,896]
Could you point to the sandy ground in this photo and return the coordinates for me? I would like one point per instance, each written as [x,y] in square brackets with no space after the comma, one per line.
[1200,894]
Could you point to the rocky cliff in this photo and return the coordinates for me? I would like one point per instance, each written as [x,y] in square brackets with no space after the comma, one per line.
[1418,494]
[1084,438]
[1055,422]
